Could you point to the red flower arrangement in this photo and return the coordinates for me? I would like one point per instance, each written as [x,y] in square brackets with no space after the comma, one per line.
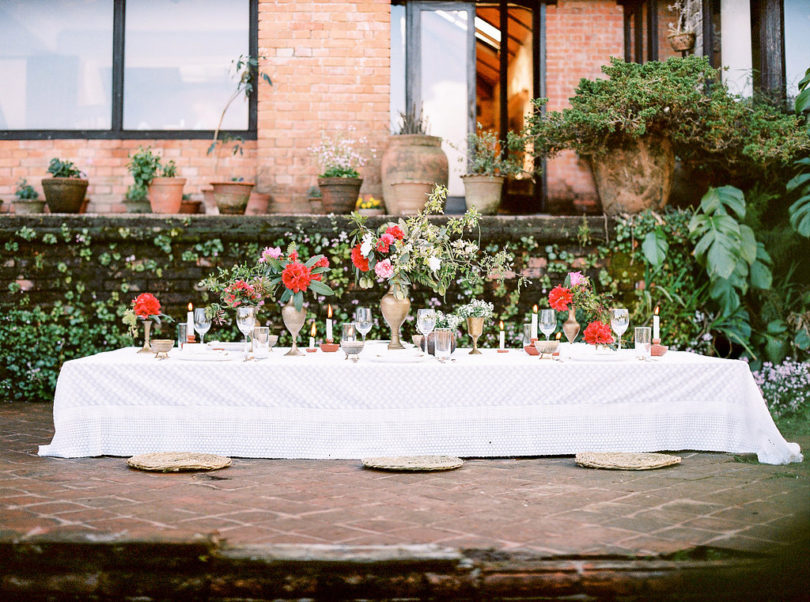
[396,232]
[385,242]
[360,262]
[241,293]
[293,255]
[559,298]
[323,262]
[598,333]
[145,305]
[296,276]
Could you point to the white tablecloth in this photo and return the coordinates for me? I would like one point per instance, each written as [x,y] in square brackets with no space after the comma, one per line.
[320,406]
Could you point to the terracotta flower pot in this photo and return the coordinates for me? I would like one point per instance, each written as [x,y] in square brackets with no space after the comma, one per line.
[166,194]
[411,158]
[339,194]
[64,195]
[635,177]
[232,197]
[190,207]
[28,207]
[139,206]
[257,203]
[411,196]
[483,192]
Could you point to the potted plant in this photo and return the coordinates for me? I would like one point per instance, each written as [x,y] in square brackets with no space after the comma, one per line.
[412,156]
[682,32]
[136,199]
[188,205]
[488,166]
[339,181]
[27,199]
[66,189]
[315,199]
[231,197]
[370,206]
[165,191]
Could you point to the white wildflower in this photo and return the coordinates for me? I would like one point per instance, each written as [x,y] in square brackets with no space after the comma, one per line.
[434,263]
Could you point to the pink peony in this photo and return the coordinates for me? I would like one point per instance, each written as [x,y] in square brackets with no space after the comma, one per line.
[577,278]
[384,269]
[270,253]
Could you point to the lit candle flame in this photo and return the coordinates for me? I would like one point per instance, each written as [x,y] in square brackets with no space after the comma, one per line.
[329,312]
[534,309]
[190,307]
[501,324]
[558,335]
[656,310]
[313,331]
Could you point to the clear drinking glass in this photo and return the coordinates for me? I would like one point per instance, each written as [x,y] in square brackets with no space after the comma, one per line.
[425,321]
[362,320]
[261,339]
[202,323]
[643,342]
[182,336]
[619,321]
[245,321]
[443,338]
[548,321]
[527,335]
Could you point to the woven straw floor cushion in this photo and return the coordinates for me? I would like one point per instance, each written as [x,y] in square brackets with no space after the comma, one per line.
[625,461]
[414,463]
[178,462]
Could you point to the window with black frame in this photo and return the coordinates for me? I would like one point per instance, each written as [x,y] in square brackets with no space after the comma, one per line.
[123,68]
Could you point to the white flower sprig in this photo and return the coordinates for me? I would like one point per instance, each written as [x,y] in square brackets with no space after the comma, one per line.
[476,309]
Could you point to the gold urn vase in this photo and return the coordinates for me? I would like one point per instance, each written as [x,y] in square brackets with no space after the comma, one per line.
[394,307]
[293,320]
[571,326]
[147,327]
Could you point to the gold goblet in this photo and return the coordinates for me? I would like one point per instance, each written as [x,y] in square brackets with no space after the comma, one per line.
[475,326]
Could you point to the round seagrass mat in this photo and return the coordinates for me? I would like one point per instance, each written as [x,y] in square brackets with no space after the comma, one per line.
[178,462]
[414,463]
[625,461]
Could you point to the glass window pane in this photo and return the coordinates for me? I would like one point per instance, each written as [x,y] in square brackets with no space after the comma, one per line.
[444,85]
[55,64]
[397,104]
[178,63]
[797,43]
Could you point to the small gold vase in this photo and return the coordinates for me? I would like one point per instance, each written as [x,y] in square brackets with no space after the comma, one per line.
[571,326]
[147,327]
[394,307]
[475,326]
[294,321]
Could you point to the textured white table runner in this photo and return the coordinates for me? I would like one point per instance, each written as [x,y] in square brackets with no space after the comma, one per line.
[320,406]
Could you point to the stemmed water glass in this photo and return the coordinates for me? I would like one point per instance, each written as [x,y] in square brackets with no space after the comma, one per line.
[619,321]
[548,321]
[425,322]
[202,323]
[362,320]
[245,321]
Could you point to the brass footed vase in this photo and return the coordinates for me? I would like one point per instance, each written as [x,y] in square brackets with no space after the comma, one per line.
[571,326]
[147,327]
[475,326]
[394,307]
[293,321]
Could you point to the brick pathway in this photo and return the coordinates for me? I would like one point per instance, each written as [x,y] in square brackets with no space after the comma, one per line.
[546,507]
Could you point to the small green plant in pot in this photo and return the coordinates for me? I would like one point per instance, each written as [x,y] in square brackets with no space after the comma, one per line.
[489,163]
[164,188]
[136,199]
[27,199]
[65,190]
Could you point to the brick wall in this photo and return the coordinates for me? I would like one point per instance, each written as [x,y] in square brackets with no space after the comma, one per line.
[330,65]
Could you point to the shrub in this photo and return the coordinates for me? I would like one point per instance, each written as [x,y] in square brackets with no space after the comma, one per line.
[785,386]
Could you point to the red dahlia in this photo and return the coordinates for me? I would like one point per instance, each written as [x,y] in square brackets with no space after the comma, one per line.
[396,232]
[559,298]
[598,333]
[145,305]
[360,262]
[296,276]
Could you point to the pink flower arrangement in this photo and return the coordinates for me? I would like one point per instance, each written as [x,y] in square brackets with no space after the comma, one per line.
[384,269]
[270,253]
[385,242]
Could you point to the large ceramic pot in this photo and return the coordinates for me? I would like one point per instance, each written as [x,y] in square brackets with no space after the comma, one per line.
[294,321]
[411,158]
[411,196]
[394,307]
[232,198]
[635,177]
[64,195]
[257,203]
[339,195]
[166,194]
[483,192]
[28,206]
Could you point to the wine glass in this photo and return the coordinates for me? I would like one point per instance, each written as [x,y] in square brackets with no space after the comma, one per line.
[548,321]
[362,319]
[619,321]
[425,322]
[202,323]
[245,321]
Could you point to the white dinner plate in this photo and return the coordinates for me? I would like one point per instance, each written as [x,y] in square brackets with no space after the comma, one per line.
[394,359]
[226,346]
[602,357]
[203,357]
